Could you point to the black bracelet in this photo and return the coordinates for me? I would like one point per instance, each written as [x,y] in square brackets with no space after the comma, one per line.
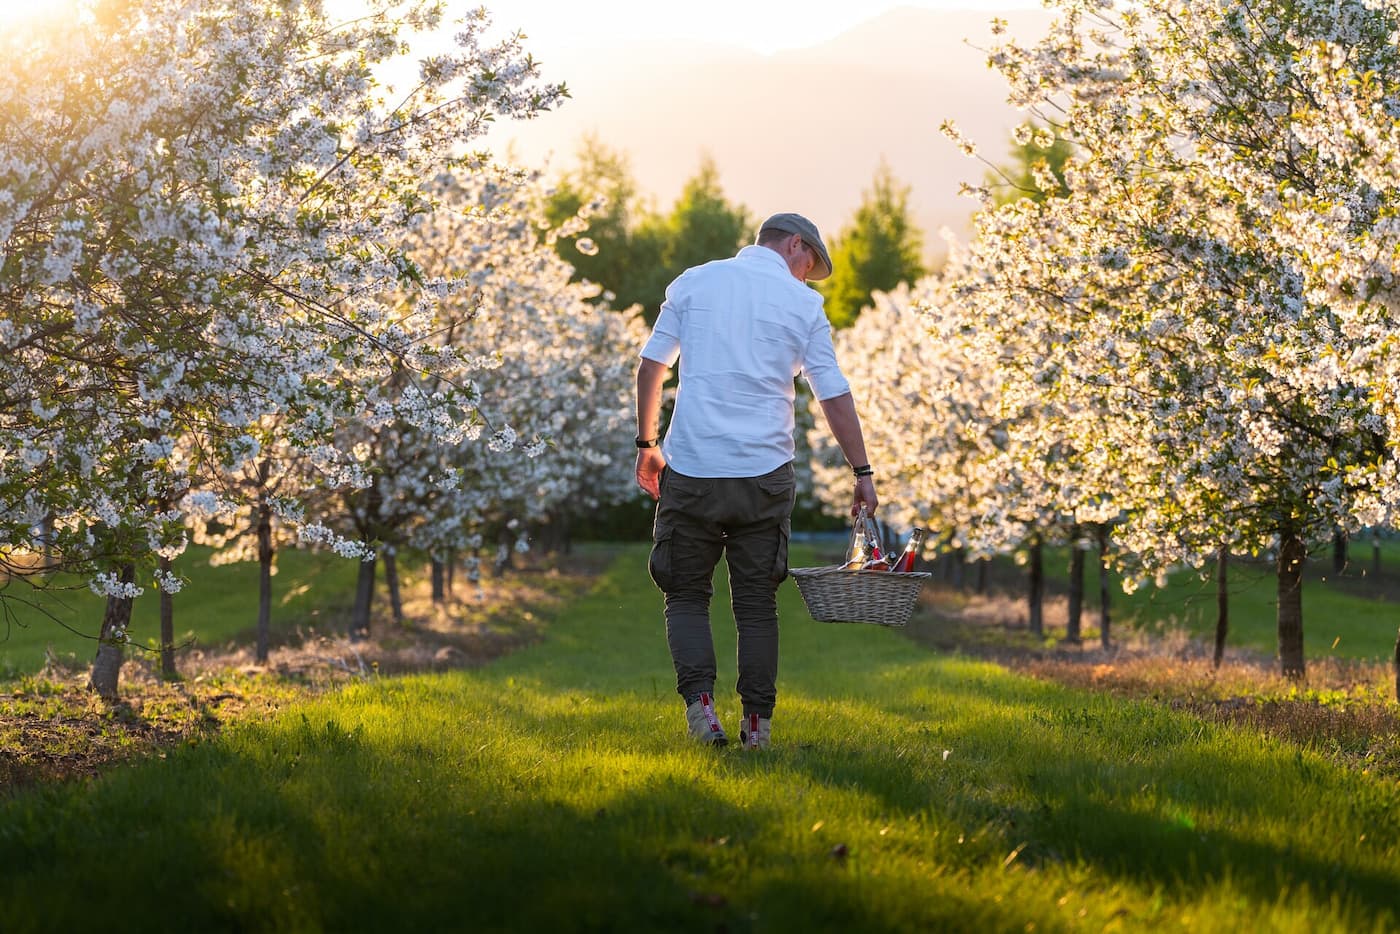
[865,470]
[647,444]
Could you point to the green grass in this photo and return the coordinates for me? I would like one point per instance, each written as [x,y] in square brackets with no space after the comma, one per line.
[1342,618]
[218,604]
[553,790]
[1352,617]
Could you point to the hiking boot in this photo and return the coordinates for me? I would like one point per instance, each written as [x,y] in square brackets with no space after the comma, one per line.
[703,724]
[755,732]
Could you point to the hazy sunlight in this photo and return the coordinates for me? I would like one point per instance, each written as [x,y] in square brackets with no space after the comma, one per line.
[14,12]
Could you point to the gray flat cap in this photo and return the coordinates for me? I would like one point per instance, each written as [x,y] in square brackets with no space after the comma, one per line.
[797,224]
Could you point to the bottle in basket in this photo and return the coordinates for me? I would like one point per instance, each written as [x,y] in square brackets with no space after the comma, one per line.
[876,561]
[905,562]
[856,556]
[859,551]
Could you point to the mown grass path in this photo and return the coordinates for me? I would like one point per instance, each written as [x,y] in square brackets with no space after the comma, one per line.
[552,790]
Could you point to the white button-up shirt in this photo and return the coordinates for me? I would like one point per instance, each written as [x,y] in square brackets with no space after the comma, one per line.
[743,328]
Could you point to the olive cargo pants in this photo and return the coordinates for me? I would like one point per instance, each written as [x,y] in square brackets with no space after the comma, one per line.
[748,520]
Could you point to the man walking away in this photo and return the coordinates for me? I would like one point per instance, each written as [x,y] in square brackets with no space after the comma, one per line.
[742,329]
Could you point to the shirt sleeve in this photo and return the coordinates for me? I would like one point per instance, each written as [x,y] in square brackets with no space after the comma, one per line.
[819,365]
[664,345]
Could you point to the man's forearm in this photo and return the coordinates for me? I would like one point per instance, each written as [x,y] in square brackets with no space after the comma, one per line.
[841,417]
[651,376]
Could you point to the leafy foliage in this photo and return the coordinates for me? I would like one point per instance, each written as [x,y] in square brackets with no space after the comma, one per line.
[880,248]
[632,252]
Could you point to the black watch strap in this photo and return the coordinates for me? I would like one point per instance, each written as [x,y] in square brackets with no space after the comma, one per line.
[648,444]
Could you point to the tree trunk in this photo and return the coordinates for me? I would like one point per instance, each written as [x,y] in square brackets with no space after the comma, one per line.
[1397,666]
[451,573]
[167,628]
[364,599]
[391,577]
[1103,585]
[1076,589]
[1292,553]
[1376,554]
[960,568]
[982,565]
[1222,602]
[49,532]
[1339,552]
[107,666]
[439,581]
[265,557]
[1037,594]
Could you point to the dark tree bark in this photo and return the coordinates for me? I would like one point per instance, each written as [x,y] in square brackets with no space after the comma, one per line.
[391,577]
[439,581]
[1073,628]
[111,649]
[566,534]
[960,568]
[266,553]
[1397,666]
[982,565]
[1292,553]
[1103,585]
[1037,590]
[50,558]
[167,629]
[1340,543]
[1222,603]
[1376,554]
[451,577]
[945,557]
[364,599]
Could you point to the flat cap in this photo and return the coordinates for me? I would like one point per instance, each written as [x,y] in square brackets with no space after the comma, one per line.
[797,224]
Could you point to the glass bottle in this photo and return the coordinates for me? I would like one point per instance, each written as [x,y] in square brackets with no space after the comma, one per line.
[859,551]
[905,562]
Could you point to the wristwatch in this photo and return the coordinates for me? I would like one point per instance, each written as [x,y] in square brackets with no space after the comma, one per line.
[648,444]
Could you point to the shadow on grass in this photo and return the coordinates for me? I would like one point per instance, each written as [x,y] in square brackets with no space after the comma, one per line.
[553,790]
[322,827]
[1130,790]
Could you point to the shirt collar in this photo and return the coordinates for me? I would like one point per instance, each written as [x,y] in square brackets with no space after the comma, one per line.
[753,251]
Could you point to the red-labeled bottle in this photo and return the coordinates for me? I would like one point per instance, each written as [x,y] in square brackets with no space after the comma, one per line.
[905,562]
[876,559]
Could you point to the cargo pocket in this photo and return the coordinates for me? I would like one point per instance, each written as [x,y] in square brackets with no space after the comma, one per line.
[659,564]
[780,482]
[779,571]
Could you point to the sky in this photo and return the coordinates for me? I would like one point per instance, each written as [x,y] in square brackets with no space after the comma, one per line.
[612,53]
[655,82]
[762,26]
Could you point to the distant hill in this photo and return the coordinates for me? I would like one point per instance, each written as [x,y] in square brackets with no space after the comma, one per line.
[799,130]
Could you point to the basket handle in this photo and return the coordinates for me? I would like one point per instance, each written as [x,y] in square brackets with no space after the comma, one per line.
[862,537]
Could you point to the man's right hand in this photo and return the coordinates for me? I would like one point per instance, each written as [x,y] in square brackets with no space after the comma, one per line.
[649,464]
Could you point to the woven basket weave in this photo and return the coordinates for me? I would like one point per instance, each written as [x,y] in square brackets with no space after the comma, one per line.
[836,595]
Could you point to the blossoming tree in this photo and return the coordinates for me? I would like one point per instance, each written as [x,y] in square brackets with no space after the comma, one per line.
[560,373]
[1217,283]
[201,204]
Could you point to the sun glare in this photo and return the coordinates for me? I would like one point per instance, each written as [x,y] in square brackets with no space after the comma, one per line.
[19,12]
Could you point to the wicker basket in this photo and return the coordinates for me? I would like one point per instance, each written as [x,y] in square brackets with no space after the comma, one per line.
[836,595]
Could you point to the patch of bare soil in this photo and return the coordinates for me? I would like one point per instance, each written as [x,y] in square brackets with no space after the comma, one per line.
[1346,711]
[53,729]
